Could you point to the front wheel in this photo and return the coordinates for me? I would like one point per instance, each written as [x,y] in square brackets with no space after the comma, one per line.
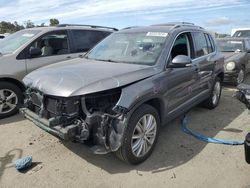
[214,99]
[10,99]
[140,135]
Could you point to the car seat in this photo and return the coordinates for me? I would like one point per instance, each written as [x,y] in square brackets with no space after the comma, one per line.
[47,49]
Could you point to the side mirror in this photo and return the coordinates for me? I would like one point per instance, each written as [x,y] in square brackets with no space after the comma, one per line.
[35,52]
[181,61]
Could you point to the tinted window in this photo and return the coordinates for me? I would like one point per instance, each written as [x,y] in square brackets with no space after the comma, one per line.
[85,40]
[53,43]
[209,44]
[1,37]
[181,46]
[212,42]
[201,47]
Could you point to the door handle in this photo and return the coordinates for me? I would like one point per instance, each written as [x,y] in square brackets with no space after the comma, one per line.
[68,57]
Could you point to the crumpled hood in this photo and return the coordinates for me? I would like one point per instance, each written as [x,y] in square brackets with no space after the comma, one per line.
[81,76]
[232,56]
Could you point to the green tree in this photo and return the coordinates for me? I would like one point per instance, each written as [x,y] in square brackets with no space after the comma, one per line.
[53,22]
[41,25]
[8,27]
[29,24]
[18,27]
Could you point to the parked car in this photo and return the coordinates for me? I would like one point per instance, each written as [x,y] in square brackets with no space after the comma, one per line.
[241,32]
[30,49]
[237,58]
[119,94]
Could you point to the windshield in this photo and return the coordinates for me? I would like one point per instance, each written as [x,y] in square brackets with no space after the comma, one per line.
[135,48]
[230,45]
[243,33]
[13,42]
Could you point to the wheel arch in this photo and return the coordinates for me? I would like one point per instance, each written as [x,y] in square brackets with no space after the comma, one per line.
[155,102]
[16,82]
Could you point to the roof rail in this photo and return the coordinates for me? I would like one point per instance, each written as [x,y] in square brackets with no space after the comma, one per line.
[131,27]
[178,24]
[90,26]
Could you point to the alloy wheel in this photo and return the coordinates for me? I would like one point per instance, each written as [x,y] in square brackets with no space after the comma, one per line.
[8,101]
[144,135]
[216,93]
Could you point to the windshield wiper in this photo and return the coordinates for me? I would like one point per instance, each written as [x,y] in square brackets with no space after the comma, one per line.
[107,60]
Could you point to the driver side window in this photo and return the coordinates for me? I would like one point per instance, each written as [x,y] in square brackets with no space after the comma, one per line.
[181,46]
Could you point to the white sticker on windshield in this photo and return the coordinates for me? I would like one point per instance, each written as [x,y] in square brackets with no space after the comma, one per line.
[28,35]
[157,34]
[235,42]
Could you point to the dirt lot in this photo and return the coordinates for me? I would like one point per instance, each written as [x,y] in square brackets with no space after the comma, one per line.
[178,160]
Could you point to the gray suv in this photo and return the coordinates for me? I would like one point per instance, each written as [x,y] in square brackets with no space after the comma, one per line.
[30,49]
[118,95]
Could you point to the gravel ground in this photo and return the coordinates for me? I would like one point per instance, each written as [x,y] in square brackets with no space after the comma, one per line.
[178,160]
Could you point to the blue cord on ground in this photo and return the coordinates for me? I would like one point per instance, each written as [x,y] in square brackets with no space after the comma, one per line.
[205,138]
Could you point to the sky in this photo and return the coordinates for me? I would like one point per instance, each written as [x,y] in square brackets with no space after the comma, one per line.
[215,15]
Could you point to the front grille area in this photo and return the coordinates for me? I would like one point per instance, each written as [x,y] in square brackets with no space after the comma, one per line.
[49,106]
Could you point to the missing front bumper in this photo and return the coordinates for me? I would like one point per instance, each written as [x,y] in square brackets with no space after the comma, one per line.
[65,133]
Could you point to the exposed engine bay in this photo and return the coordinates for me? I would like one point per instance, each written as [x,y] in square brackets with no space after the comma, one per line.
[92,118]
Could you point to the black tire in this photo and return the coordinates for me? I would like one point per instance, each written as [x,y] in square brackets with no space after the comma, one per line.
[125,152]
[239,79]
[210,103]
[11,87]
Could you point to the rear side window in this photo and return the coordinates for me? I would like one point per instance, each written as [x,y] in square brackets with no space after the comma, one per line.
[209,43]
[201,47]
[84,40]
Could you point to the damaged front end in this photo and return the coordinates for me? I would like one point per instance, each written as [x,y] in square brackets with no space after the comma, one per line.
[93,118]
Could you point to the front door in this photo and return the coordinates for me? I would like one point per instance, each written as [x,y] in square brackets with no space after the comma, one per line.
[182,83]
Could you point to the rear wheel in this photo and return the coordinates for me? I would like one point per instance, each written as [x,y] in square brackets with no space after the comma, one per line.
[140,135]
[214,99]
[10,99]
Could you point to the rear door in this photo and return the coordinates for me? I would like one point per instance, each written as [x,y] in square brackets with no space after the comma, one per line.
[204,60]
[84,40]
[55,47]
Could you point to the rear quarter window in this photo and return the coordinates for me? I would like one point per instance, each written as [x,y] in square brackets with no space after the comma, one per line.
[84,40]
[209,43]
